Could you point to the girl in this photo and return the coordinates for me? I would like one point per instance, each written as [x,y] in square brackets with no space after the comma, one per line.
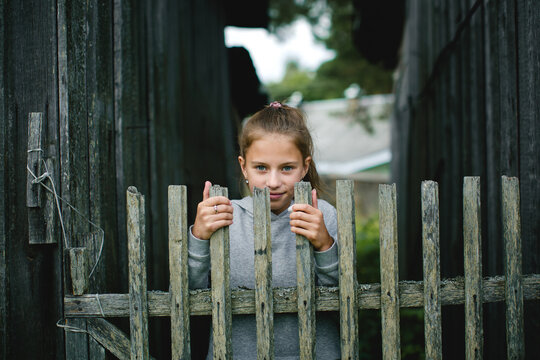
[276,151]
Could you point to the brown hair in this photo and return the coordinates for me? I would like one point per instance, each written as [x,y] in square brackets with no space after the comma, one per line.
[281,119]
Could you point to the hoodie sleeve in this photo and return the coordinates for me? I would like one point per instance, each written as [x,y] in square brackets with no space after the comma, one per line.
[327,262]
[198,261]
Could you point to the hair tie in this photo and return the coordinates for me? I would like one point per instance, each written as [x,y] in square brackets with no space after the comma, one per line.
[275,104]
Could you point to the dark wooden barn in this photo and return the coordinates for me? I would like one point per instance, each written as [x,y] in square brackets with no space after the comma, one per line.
[113,93]
[467,104]
[101,95]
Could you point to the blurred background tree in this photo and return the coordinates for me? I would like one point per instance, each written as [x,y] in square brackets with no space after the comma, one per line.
[332,23]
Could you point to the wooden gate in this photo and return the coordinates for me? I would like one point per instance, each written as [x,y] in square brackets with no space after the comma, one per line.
[306,299]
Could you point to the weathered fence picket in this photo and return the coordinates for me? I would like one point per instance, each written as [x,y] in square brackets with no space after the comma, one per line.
[432,277]
[515,343]
[221,289]
[264,301]
[347,269]
[472,248]
[263,274]
[178,257]
[138,295]
[305,280]
[77,282]
[391,347]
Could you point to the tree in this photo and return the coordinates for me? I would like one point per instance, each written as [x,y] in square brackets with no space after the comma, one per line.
[334,76]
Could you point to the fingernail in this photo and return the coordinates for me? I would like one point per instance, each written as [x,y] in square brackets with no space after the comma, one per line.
[289,209]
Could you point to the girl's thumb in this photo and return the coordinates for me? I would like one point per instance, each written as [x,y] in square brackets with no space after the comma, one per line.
[206,191]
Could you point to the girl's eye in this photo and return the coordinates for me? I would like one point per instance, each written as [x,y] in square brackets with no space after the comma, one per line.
[287,168]
[260,167]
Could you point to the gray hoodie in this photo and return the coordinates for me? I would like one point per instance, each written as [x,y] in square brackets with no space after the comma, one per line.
[286,345]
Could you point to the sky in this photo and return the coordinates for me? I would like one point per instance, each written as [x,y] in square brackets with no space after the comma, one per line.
[270,54]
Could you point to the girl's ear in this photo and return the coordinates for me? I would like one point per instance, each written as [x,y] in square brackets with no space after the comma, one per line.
[307,162]
[242,163]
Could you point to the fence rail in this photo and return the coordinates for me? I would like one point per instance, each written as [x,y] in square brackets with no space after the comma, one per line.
[306,299]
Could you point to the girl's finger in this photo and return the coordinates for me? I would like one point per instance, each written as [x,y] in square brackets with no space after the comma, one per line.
[300,231]
[219,224]
[300,224]
[217,200]
[303,208]
[314,198]
[308,234]
[220,215]
[222,209]
[303,216]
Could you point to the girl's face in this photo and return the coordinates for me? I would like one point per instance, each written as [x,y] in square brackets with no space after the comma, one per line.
[275,162]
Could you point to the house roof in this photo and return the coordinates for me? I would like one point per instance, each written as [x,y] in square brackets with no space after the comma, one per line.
[343,145]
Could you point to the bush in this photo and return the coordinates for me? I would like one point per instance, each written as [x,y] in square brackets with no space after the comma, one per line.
[368,271]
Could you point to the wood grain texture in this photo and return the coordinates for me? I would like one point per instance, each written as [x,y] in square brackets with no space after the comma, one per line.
[494,336]
[411,294]
[63,106]
[119,28]
[3,202]
[49,210]
[221,289]
[474,337]
[263,273]
[178,268]
[76,344]
[33,159]
[430,244]
[110,337]
[391,347]
[138,296]
[37,224]
[348,301]
[79,269]
[305,280]
[528,33]
[73,29]
[515,342]
[102,167]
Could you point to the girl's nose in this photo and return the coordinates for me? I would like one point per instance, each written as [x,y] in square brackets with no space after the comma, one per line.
[273,180]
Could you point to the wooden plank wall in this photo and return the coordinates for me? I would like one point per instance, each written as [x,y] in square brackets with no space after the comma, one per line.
[3,215]
[467,104]
[132,93]
[31,273]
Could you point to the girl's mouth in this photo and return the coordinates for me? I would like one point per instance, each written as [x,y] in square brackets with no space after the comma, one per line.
[275,196]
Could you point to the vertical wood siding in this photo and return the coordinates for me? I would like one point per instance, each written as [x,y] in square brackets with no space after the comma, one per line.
[467,104]
[125,87]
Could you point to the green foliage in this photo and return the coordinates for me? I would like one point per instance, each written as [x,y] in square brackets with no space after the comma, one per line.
[294,80]
[367,250]
[412,333]
[334,76]
[368,271]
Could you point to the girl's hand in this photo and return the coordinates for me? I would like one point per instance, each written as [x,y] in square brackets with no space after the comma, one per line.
[212,213]
[308,221]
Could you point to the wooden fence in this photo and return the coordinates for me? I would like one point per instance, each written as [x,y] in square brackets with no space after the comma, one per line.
[306,299]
